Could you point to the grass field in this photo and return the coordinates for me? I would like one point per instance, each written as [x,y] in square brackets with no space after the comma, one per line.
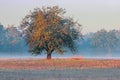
[66,74]
[58,63]
[59,69]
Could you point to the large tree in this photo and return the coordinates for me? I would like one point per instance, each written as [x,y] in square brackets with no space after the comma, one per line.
[48,30]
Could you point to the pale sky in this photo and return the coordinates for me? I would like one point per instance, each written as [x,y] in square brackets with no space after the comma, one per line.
[93,15]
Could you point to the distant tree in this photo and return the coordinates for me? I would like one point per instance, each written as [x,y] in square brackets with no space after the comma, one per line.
[48,30]
[12,35]
[1,33]
[10,40]
[105,40]
[14,42]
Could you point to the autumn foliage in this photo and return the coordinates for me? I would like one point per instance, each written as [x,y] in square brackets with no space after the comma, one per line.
[48,30]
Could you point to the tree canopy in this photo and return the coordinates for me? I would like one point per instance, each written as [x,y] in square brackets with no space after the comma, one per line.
[10,40]
[104,39]
[47,29]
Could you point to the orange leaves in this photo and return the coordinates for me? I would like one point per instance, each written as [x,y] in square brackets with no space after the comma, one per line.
[44,26]
[50,30]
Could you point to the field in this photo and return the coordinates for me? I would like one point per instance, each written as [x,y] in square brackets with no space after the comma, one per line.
[59,69]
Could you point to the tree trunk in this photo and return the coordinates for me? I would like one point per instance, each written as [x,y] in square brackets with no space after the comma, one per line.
[49,56]
[49,53]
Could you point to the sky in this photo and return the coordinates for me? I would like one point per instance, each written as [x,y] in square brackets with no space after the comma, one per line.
[93,15]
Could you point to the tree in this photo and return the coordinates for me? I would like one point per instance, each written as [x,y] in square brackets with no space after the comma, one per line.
[105,40]
[1,34]
[10,40]
[48,30]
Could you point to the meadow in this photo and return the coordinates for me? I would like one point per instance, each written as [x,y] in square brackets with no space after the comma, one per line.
[59,69]
[68,63]
[66,74]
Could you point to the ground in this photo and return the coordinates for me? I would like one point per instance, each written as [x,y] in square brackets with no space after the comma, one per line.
[70,63]
[59,69]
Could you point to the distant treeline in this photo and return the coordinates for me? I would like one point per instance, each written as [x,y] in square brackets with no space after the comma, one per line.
[12,41]
[101,41]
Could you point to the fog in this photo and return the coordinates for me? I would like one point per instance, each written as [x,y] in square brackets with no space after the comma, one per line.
[82,54]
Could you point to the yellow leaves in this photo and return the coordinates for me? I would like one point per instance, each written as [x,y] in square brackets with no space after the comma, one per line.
[40,21]
[44,26]
[50,29]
